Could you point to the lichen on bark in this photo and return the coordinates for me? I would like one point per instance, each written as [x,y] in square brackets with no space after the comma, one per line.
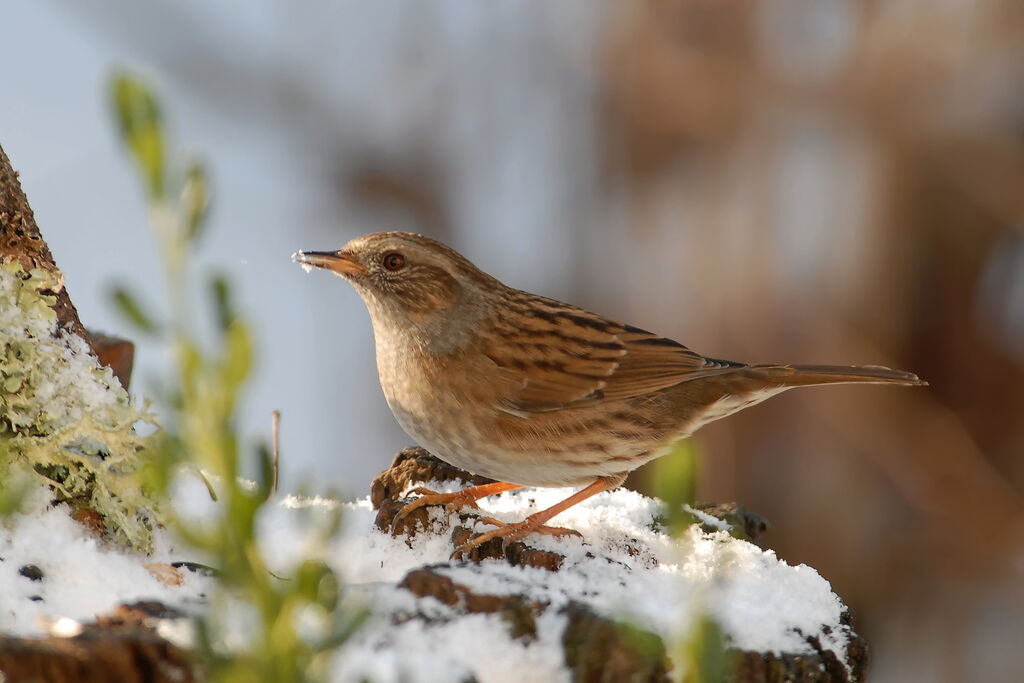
[63,416]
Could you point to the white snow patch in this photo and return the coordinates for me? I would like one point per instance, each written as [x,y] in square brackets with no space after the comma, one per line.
[623,567]
[707,519]
[82,577]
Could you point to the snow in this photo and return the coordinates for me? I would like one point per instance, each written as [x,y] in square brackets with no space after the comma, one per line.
[709,520]
[623,567]
[305,266]
[77,383]
[82,577]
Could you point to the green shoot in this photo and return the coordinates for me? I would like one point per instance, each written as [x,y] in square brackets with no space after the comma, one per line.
[200,434]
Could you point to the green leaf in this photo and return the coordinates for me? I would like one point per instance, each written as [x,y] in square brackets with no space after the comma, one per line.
[237,360]
[194,200]
[675,482]
[132,310]
[221,291]
[318,583]
[702,654]
[265,476]
[141,127]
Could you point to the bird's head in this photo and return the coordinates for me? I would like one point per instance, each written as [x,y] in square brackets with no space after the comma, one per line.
[408,279]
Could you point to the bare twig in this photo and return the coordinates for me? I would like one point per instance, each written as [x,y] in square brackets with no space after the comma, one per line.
[209,485]
[275,415]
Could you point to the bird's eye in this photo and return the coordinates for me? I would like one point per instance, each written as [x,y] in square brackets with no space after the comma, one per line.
[394,261]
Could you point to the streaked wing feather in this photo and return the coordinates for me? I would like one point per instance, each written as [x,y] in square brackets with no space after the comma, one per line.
[577,358]
[653,362]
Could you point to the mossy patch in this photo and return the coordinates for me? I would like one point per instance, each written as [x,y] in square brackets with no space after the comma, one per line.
[66,418]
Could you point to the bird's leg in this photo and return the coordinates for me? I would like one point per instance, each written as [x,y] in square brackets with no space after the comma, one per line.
[535,522]
[457,500]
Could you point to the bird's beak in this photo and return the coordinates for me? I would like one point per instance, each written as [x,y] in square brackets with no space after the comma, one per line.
[341,262]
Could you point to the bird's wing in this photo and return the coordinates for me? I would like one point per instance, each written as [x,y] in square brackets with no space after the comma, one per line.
[554,357]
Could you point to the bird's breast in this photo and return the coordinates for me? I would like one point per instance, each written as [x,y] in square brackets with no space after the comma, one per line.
[438,402]
[451,407]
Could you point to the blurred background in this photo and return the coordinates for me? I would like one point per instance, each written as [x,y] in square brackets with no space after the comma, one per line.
[834,181]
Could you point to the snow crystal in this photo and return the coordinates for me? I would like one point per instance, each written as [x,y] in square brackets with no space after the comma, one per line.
[305,266]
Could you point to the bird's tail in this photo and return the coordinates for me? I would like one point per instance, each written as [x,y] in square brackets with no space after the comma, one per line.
[813,375]
[742,386]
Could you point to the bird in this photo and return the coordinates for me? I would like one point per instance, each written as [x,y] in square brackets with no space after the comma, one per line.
[534,392]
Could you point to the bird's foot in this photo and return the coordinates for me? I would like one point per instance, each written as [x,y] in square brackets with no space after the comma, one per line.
[452,501]
[510,533]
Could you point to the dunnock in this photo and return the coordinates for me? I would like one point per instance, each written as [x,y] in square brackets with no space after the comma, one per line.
[532,391]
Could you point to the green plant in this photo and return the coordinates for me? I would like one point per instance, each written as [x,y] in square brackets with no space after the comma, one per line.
[200,433]
[675,482]
[701,654]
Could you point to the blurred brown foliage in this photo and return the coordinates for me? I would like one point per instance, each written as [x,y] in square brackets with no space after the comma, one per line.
[914,113]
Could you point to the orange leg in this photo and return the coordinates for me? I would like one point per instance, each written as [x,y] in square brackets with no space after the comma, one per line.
[535,522]
[457,500]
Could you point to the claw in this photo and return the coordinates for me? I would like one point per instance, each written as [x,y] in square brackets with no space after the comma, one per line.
[404,512]
[509,533]
[539,529]
[424,491]
[535,522]
[425,499]
[453,502]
